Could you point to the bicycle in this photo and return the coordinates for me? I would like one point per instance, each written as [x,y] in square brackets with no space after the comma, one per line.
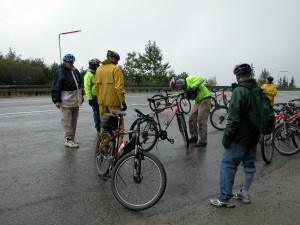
[152,129]
[284,133]
[218,98]
[169,99]
[138,178]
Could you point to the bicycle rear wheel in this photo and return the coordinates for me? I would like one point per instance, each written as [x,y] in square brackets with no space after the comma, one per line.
[149,134]
[185,105]
[160,102]
[287,139]
[267,147]
[104,154]
[183,129]
[218,117]
[143,193]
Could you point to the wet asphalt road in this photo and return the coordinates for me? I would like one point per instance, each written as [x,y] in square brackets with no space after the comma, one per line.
[42,182]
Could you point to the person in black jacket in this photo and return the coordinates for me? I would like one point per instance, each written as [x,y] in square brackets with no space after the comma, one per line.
[238,140]
[67,95]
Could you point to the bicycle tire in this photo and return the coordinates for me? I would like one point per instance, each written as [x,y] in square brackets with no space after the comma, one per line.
[160,103]
[267,147]
[104,153]
[132,194]
[185,105]
[218,117]
[149,134]
[225,100]
[183,129]
[285,143]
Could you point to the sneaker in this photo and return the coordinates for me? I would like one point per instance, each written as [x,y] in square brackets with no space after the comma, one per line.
[71,143]
[241,197]
[217,202]
[193,140]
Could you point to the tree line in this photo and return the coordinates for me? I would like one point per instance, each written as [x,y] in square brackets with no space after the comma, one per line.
[147,68]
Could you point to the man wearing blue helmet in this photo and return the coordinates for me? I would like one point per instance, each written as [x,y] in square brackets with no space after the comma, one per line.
[67,95]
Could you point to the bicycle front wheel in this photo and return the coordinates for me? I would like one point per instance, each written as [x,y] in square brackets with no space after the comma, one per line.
[149,134]
[185,105]
[267,147]
[159,102]
[218,117]
[183,129]
[104,154]
[287,138]
[143,193]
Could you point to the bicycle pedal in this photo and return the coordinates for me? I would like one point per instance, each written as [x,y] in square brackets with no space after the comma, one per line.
[171,141]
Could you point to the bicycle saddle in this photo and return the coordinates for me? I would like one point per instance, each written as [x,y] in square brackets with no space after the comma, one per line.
[118,113]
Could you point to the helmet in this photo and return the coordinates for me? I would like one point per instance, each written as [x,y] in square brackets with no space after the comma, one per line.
[69,58]
[94,62]
[242,68]
[177,82]
[112,54]
[270,78]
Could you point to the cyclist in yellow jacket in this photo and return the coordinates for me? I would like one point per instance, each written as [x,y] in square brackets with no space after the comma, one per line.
[110,86]
[270,89]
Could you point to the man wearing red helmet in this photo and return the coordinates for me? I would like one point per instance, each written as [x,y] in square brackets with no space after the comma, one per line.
[90,91]
[269,89]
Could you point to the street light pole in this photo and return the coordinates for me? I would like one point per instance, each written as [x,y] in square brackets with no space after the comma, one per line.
[70,32]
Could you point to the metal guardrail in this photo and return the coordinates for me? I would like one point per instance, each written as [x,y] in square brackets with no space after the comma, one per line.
[13,90]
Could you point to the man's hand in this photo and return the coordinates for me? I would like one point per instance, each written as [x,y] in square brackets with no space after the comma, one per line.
[124,106]
[57,104]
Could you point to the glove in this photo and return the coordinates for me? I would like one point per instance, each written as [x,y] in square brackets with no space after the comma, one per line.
[189,89]
[91,102]
[225,141]
[124,106]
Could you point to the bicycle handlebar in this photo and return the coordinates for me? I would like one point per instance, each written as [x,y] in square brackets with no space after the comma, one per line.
[140,114]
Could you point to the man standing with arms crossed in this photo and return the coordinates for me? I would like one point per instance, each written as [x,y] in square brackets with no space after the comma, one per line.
[110,86]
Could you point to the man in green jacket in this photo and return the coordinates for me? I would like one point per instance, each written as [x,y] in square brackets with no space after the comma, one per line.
[90,91]
[200,112]
[238,140]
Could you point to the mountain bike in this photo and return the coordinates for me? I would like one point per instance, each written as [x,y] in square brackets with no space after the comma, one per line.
[151,129]
[169,99]
[138,178]
[219,99]
[285,137]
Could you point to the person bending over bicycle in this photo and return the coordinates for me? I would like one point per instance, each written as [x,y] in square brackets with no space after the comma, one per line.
[195,90]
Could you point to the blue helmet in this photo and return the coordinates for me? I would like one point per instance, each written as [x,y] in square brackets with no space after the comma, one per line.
[69,58]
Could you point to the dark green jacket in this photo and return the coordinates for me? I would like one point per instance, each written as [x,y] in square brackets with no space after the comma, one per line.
[237,129]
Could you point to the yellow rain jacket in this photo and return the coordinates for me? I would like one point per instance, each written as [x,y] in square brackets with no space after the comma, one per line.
[109,85]
[271,91]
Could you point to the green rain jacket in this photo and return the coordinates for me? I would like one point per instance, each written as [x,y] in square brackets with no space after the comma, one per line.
[197,82]
[89,84]
[237,128]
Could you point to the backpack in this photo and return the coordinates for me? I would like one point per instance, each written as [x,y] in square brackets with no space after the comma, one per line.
[262,116]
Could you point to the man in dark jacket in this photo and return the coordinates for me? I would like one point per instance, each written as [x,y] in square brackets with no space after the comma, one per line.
[238,140]
[67,96]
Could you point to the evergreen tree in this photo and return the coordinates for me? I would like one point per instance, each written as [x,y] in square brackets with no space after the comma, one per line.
[292,83]
[262,77]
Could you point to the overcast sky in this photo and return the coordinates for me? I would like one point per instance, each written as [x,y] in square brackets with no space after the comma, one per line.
[201,37]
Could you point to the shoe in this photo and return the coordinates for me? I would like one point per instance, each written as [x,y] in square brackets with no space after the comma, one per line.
[200,144]
[241,197]
[217,202]
[193,140]
[71,143]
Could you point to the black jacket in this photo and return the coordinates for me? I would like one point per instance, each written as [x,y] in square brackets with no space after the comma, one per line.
[237,128]
[63,81]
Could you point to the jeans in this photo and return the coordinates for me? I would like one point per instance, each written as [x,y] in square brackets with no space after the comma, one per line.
[231,159]
[96,115]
